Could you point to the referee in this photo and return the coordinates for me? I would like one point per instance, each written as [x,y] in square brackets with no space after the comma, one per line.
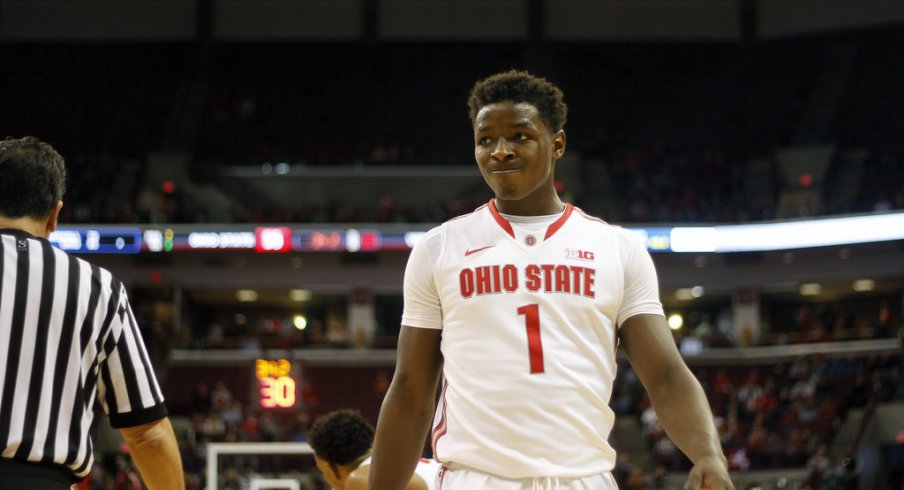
[67,338]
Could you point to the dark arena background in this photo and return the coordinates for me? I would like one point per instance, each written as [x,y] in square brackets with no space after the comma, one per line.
[256,172]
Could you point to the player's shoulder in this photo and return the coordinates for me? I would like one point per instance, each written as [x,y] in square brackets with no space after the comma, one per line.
[624,236]
[357,479]
[429,240]
[589,222]
[457,228]
[582,215]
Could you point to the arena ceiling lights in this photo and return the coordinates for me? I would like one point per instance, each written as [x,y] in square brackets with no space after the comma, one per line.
[788,235]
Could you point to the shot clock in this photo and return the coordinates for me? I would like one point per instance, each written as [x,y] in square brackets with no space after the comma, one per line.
[276,384]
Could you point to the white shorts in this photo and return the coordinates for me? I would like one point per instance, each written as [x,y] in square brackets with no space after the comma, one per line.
[465,479]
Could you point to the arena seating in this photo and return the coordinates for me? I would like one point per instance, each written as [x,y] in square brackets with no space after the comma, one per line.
[653,114]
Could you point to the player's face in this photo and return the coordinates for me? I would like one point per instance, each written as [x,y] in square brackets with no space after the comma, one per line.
[516,154]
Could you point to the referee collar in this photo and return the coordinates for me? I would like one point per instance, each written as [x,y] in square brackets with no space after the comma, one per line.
[17,232]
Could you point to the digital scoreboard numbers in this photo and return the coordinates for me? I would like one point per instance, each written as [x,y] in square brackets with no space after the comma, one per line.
[100,240]
[319,241]
[276,384]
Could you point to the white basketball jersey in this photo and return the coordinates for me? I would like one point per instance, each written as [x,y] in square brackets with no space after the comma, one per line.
[428,469]
[529,314]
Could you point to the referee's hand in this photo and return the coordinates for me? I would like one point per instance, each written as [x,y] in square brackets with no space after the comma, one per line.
[709,473]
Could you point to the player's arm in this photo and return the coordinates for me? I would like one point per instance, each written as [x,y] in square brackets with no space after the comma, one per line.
[407,409]
[677,397]
[155,452]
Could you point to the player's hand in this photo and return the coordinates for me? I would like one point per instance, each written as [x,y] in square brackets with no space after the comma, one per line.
[710,473]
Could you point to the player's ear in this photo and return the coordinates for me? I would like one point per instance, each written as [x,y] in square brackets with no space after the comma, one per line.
[558,144]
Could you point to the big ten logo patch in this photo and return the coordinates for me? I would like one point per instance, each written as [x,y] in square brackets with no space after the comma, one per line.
[573,253]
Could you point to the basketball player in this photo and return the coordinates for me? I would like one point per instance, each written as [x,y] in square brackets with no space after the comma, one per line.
[521,306]
[342,441]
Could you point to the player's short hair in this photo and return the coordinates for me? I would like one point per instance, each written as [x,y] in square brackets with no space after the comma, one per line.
[341,437]
[520,86]
[32,178]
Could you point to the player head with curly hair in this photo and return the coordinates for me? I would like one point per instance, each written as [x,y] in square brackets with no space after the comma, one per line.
[518,121]
[341,440]
[520,86]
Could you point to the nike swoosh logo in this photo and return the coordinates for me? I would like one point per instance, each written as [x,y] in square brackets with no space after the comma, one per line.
[469,251]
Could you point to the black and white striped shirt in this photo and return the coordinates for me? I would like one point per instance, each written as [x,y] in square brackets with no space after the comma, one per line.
[67,338]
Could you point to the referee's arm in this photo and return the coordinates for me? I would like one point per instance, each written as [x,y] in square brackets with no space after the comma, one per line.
[155,452]
[134,402]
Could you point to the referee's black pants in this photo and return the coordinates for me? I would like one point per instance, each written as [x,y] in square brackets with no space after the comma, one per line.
[15,475]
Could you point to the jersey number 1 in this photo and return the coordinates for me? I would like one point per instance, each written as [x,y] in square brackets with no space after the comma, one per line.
[534,344]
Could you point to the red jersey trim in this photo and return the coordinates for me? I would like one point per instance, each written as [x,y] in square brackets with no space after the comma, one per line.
[441,428]
[553,228]
[559,222]
[499,219]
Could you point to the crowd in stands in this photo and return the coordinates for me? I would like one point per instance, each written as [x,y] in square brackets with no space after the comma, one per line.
[646,187]
[836,321]
[658,187]
[881,187]
[217,416]
[371,109]
[223,404]
[662,187]
[793,323]
[103,106]
[646,112]
[769,416]
[676,126]
[157,206]
[866,115]
[777,416]
[270,331]
[781,415]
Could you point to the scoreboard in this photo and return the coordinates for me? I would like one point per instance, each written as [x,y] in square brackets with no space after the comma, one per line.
[162,239]
[265,240]
[98,240]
